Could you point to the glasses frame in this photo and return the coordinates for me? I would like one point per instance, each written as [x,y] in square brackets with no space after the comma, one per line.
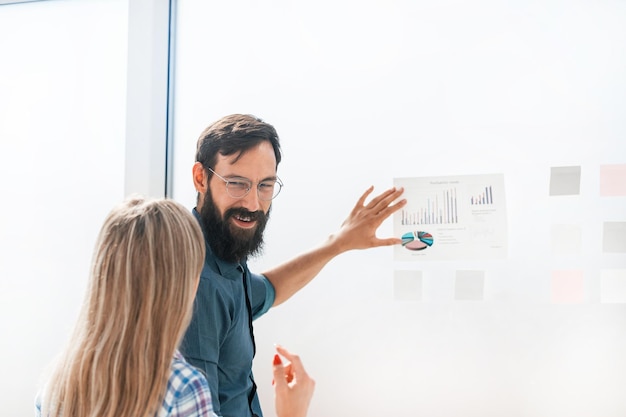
[243,179]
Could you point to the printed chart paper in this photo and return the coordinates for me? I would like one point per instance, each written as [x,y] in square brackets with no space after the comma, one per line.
[452,217]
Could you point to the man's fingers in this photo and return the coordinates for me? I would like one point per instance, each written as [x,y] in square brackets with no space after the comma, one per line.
[361,200]
[384,200]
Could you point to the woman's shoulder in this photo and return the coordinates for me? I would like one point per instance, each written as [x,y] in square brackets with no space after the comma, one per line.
[187,391]
[183,370]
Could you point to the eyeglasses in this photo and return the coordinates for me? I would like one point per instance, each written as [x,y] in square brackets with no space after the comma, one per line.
[238,187]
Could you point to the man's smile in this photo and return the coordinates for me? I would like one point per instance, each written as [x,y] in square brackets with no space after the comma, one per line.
[245,221]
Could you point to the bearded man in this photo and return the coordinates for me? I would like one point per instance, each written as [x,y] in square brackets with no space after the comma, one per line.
[235,175]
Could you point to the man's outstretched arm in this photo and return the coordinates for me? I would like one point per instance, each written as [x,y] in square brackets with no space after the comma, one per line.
[358,231]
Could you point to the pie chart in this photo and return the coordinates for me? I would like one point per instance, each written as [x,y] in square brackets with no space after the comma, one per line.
[417,240]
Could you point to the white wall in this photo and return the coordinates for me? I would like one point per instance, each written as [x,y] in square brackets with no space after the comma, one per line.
[62,122]
[361,93]
[84,123]
[365,92]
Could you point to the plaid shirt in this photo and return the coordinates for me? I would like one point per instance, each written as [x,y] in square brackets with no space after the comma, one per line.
[187,393]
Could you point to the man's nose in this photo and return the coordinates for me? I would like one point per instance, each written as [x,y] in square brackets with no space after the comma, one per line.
[251,200]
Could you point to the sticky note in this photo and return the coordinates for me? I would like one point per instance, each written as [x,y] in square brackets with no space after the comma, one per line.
[613,286]
[407,285]
[567,287]
[613,180]
[566,239]
[565,180]
[469,285]
[614,237]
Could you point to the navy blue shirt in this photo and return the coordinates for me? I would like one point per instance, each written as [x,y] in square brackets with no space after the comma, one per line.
[219,340]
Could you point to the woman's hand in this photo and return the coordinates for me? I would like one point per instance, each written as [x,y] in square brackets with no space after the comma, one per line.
[293,387]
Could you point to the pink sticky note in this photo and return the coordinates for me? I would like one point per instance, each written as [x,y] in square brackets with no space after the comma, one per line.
[567,287]
[613,180]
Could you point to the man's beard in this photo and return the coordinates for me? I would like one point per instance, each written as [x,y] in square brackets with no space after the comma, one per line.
[231,243]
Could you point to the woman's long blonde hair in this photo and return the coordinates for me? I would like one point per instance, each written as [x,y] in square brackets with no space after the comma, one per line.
[139,301]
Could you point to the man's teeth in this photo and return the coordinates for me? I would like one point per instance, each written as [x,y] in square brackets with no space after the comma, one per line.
[244,218]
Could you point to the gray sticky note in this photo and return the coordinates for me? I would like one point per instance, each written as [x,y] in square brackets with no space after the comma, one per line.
[469,285]
[565,180]
[614,237]
[407,285]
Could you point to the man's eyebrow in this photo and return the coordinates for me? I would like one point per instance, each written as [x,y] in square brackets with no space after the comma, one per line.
[235,176]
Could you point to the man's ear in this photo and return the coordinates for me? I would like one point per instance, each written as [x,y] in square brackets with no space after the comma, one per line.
[200,180]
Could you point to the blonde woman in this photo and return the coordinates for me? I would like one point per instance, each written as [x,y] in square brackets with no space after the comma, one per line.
[123,358]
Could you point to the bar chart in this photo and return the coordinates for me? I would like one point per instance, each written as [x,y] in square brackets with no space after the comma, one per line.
[439,208]
[483,198]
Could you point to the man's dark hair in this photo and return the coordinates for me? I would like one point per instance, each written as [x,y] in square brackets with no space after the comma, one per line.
[234,134]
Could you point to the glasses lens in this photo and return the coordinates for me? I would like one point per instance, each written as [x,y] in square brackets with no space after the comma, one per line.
[268,190]
[238,188]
